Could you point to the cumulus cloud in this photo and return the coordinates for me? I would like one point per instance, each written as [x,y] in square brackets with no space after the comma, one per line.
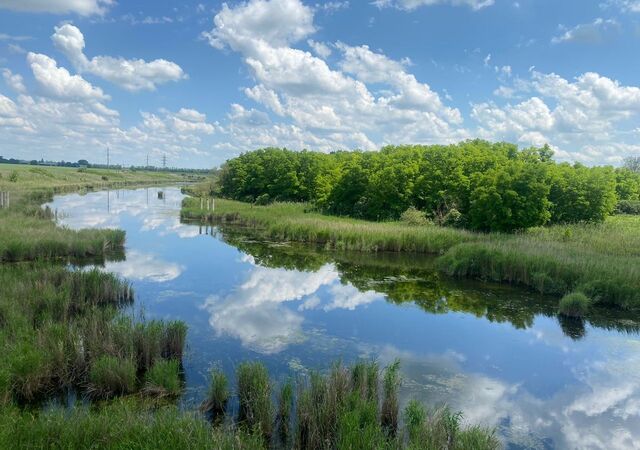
[320,106]
[130,74]
[409,5]
[588,33]
[584,119]
[14,81]
[58,82]
[81,7]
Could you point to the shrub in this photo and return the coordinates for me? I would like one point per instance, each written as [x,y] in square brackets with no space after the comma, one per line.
[575,304]
[628,207]
[412,216]
[13,177]
[111,376]
[163,379]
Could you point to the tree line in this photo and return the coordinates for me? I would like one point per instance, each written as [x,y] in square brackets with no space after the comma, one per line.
[475,184]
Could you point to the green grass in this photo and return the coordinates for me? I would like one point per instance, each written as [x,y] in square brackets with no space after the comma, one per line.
[254,395]
[61,328]
[163,379]
[217,396]
[66,179]
[27,232]
[602,260]
[296,222]
[575,304]
[111,376]
[122,424]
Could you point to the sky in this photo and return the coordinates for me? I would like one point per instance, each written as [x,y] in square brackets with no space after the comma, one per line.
[203,81]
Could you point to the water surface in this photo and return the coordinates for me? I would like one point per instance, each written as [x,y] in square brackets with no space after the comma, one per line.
[499,354]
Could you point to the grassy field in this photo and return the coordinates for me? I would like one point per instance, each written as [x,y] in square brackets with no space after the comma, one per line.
[16,177]
[600,260]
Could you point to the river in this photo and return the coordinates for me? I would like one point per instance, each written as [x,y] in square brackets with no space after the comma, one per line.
[498,354]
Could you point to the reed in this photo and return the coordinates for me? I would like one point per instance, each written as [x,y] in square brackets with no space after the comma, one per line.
[390,402]
[217,396]
[111,376]
[163,379]
[254,394]
[575,305]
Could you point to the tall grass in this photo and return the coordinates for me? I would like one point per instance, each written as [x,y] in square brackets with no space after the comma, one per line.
[601,260]
[61,328]
[254,395]
[121,424]
[217,396]
[27,233]
[110,376]
[163,379]
[296,222]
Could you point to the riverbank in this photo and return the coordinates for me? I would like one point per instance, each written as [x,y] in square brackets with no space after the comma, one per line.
[601,260]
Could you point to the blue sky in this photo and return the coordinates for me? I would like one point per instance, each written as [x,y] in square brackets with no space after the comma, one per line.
[204,81]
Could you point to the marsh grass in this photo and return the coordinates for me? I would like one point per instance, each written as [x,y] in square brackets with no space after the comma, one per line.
[62,328]
[390,402]
[601,260]
[163,379]
[217,396]
[27,233]
[283,418]
[254,394]
[574,305]
[111,376]
[124,423]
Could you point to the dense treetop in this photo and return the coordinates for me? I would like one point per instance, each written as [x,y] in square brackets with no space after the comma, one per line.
[474,184]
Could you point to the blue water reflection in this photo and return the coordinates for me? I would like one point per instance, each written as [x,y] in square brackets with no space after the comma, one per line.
[500,355]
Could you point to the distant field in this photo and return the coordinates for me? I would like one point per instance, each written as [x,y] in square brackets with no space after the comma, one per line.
[15,177]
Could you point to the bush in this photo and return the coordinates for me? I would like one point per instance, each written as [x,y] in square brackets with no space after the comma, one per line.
[13,177]
[163,379]
[575,304]
[628,207]
[412,216]
[111,376]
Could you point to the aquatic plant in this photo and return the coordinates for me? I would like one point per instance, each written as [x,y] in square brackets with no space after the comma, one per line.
[254,395]
[111,376]
[575,304]
[390,402]
[163,379]
[218,395]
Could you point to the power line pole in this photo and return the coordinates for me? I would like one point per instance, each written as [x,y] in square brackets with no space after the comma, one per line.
[164,161]
[147,160]
[107,156]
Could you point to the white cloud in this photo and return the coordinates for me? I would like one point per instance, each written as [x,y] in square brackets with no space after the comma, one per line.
[58,82]
[632,6]
[409,5]
[320,48]
[586,119]
[277,23]
[322,107]
[145,267]
[130,74]
[81,7]
[14,81]
[588,33]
